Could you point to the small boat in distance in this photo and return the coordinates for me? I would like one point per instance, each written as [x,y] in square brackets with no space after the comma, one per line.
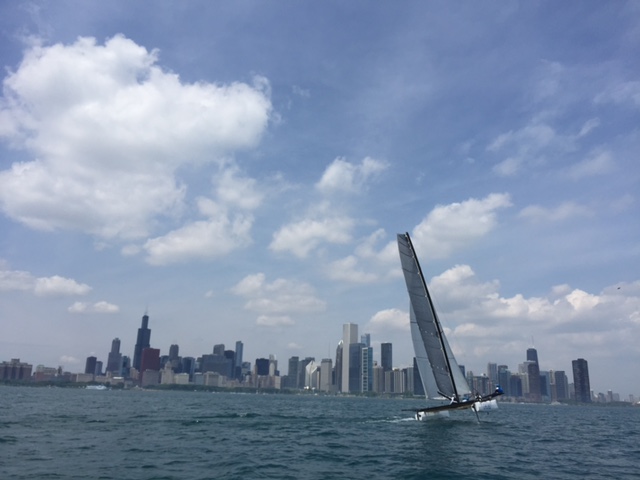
[95,387]
[444,383]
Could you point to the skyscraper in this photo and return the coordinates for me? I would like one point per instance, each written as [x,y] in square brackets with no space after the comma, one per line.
[581,380]
[90,365]
[349,336]
[114,359]
[237,361]
[533,374]
[386,356]
[149,366]
[142,342]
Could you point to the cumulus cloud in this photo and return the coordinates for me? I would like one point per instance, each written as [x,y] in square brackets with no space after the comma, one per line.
[218,235]
[477,318]
[346,270]
[453,226]
[275,302]
[302,237]
[12,280]
[108,128]
[390,319]
[564,211]
[98,307]
[343,176]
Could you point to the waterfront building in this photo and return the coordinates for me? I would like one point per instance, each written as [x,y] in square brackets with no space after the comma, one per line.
[15,370]
[291,380]
[386,356]
[262,367]
[218,349]
[418,387]
[301,382]
[349,337]
[326,374]
[150,366]
[355,368]
[366,368]
[581,380]
[237,361]
[492,373]
[378,379]
[142,342]
[114,359]
[90,365]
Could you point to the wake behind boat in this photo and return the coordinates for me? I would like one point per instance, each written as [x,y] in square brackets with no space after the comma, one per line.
[443,381]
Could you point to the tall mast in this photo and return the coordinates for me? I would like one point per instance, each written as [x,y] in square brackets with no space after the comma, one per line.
[435,316]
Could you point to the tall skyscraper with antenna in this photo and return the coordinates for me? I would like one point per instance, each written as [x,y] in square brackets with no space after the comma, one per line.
[142,342]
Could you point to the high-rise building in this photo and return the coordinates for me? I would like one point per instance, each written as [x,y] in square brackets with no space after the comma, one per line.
[90,365]
[349,337]
[562,385]
[292,373]
[218,349]
[114,359]
[355,367]
[581,380]
[237,361]
[386,356]
[533,375]
[366,368]
[338,367]
[150,362]
[142,342]
[326,373]
[492,373]
[418,387]
[366,339]
[262,366]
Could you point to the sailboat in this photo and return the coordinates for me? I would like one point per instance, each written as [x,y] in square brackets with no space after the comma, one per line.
[444,383]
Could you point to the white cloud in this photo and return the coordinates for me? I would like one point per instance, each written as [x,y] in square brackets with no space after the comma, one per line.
[280,298]
[302,237]
[564,211]
[274,321]
[16,280]
[220,234]
[597,164]
[449,227]
[346,270]
[57,285]
[390,319]
[238,191]
[109,128]
[12,280]
[98,307]
[348,177]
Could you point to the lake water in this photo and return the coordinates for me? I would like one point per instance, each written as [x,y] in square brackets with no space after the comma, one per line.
[61,433]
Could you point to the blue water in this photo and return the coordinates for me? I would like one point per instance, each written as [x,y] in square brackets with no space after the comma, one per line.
[54,433]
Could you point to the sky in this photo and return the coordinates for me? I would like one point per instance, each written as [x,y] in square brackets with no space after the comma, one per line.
[240,170]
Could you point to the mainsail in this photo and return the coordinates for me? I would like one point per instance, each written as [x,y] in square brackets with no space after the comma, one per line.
[439,371]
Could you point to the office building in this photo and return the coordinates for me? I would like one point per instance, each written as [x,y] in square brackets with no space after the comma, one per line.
[386,356]
[142,342]
[349,337]
[581,380]
[90,365]
[114,359]
[150,366]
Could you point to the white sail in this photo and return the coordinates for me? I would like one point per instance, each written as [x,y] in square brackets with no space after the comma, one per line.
[439,371]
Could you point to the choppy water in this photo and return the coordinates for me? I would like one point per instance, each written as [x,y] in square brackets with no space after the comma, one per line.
[49,433]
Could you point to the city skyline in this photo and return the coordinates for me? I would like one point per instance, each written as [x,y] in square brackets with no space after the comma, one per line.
[356,372]
[241,169]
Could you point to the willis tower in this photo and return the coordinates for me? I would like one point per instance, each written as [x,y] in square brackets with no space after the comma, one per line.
[144,337]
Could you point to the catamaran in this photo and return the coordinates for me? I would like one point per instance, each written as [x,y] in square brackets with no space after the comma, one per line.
[444,383]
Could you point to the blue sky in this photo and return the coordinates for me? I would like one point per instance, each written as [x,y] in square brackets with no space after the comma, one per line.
[240,170]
